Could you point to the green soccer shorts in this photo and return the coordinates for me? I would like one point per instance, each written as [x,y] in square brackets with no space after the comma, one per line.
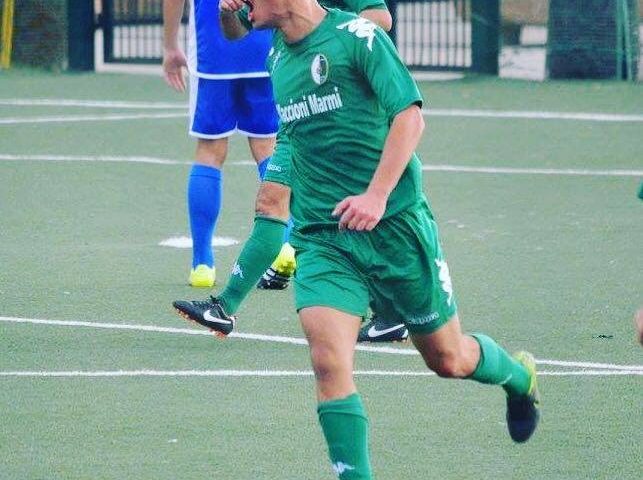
[278,170]
[398,269]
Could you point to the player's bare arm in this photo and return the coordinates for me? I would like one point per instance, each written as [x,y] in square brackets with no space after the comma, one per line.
[363,212]
[174,60]
[231,26]
[380,17]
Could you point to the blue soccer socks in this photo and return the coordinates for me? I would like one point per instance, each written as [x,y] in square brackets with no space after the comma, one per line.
[204,204]
[262,166]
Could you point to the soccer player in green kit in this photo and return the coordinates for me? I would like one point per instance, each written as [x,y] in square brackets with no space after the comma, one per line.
[217,313]
[351,114]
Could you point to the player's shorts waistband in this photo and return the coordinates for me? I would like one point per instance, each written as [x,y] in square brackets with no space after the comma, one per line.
[331,229]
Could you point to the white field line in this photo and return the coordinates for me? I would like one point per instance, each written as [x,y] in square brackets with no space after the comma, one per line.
[534,115]
[91,158]
[433,112]
[275,373]
[432,168]
[282,339]
[534,171]
[186,242]
[88,118]
[68,102]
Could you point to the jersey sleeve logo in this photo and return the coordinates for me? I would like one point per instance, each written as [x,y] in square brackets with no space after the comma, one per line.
[319,69]
[361,28]
[445,279]
[273,59]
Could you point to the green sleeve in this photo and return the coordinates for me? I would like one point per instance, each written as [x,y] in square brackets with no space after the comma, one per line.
[379,62]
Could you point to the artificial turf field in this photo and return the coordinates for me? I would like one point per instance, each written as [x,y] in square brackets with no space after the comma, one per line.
[544,245]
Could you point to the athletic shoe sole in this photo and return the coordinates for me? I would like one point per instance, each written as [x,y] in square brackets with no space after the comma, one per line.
[185,316]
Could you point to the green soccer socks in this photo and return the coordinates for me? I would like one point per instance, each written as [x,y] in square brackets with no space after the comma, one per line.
[260,250]
[497,367]
[345,426]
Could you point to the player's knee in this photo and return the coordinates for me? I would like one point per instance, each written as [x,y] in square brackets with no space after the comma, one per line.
[325,364]
[211,152]
[272,200]
[262,148]
[448,363]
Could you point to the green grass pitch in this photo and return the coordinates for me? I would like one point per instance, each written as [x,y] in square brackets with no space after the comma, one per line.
[551,263]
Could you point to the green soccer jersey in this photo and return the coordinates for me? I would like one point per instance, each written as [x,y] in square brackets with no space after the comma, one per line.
[337,91]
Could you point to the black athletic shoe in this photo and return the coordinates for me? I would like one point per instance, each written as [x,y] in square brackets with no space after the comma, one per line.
[377,330]
[271,280]
[279,273]
[209,313]
[523,411]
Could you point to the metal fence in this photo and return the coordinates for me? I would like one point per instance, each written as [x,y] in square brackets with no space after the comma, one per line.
[133,31]
[429,34]
[433,34]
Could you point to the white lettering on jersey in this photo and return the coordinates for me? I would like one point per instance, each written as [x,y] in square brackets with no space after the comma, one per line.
[310,105]
[361,28]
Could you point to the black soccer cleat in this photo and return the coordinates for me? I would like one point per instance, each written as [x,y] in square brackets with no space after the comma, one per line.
[378,330]
[209,313]
[523,411]
[279,273]
[271,280]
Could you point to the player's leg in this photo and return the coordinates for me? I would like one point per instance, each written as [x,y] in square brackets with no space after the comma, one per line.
[331,298]
[204,204]
[452,354]
[260,249]
[211,122]
[261,150]
[262,246]
[217,313]
[277,275]
[331,337]
[427,304]
[260,119]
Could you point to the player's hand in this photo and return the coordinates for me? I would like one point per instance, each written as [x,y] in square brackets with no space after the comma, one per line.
[174,62]
[360,212]
[230,5]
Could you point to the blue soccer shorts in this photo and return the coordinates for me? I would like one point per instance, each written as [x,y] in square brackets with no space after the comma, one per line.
[219,108]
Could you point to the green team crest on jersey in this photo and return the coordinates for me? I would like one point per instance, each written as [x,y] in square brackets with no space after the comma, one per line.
[319,69]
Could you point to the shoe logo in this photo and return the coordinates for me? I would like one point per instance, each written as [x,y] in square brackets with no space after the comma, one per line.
[373,332]
[341,467]
[236,270]
[210,318]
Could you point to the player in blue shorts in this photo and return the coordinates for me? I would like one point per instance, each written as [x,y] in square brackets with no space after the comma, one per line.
[230,91]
